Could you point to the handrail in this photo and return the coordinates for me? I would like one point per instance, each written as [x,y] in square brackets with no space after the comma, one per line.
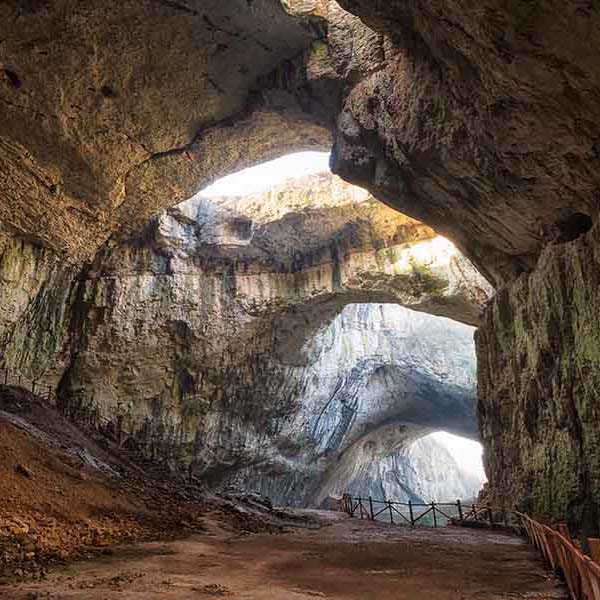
[580,571]
[484,513]
[45,392]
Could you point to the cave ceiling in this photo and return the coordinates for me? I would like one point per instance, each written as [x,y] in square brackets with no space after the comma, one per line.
[479,119]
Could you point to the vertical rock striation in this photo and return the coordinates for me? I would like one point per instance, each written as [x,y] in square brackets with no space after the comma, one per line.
[539,376]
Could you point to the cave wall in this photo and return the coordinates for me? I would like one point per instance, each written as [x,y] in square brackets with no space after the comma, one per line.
[193,332]
[421,472]
[539,377]
[377,379]
[478,118]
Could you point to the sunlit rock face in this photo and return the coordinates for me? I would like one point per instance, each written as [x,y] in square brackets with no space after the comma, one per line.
[377,378]
[422,472]
[113,110]
[196,331]
[471,105]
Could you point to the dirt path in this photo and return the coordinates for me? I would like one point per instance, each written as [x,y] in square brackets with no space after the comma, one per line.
[350,560]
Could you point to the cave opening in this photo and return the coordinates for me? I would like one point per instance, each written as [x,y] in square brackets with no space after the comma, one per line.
[239,337]
[280,277]
[345,268]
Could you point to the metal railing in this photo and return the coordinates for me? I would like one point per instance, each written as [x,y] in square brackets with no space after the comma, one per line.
[416,513]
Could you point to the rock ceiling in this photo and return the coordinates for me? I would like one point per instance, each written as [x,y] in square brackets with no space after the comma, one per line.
[482,120]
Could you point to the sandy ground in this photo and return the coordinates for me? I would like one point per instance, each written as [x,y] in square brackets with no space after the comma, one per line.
[349,559]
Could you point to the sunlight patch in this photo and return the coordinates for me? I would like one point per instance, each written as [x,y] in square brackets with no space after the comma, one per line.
[267,175]
[467,453]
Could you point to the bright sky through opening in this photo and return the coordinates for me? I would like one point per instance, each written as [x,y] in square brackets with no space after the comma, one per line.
[269,174]
[467,453]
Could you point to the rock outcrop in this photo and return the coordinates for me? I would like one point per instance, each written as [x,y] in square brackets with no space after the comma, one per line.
[111,111]
[198,333]
[482,122]
[538,356]
[421,472]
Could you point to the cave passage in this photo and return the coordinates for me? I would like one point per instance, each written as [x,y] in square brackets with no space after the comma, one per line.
[427,260]
[363,384]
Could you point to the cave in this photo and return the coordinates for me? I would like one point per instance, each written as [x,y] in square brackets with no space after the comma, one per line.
[186,347]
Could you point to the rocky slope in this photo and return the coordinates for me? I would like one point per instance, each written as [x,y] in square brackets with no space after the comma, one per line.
[195,334]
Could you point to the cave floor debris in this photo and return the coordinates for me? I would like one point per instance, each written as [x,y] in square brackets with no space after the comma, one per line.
[347,559]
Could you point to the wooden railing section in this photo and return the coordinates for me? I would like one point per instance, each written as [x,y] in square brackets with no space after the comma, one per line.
[415,512]
[581,572]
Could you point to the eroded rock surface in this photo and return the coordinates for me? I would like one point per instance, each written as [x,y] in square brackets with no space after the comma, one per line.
[194,333]
[483,122]
[377,379]
[538,357]
[114,110]
[480,121]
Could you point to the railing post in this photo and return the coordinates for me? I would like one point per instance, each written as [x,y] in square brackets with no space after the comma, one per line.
[33,387]
[410,512]
[389,503]
[434,515]
[360,507]
[6,377]
[460,512]
[371,508]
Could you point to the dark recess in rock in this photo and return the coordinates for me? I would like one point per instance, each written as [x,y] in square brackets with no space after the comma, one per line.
[12,78]
[573,226]
[108,92]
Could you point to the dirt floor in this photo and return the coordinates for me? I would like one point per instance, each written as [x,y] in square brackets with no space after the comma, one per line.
[79,519]
[344,559]
[65,495]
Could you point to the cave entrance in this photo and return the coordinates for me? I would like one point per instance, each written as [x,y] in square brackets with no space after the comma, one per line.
[351,382]
[381,384]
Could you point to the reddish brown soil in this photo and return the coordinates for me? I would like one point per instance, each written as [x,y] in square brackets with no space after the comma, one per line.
[350,560]
[55,507]
[55,510]
[59,509]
